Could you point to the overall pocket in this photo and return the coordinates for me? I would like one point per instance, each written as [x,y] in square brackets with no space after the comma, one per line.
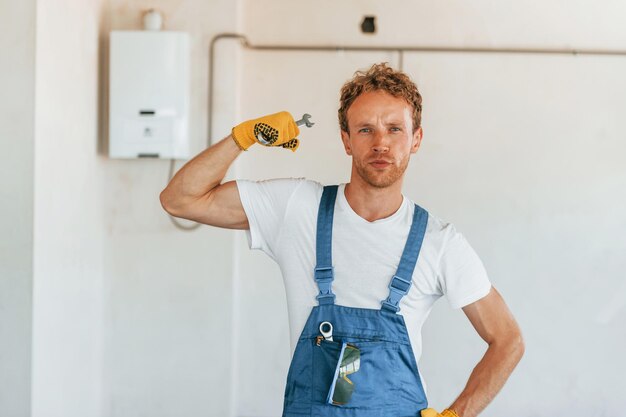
[324,362]
[373,385]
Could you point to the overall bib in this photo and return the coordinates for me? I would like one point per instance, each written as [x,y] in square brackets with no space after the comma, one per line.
[370,354]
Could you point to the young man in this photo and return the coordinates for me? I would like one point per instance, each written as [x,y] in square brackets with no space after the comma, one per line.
[362,264]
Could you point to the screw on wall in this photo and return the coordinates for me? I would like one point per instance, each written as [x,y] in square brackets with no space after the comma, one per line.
[369,24]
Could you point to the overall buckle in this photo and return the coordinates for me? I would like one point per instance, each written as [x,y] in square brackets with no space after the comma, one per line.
[398,288]
[324,277]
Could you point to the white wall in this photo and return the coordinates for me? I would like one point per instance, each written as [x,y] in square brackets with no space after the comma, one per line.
[68,224]
[456,23]
[17,141]
[51,293]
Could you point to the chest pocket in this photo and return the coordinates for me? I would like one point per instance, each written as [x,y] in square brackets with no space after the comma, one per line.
[372,382]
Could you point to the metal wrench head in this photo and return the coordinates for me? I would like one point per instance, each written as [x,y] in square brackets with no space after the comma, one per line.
[305,120]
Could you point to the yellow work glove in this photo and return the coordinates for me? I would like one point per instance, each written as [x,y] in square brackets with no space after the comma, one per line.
[431,412]
[278,129]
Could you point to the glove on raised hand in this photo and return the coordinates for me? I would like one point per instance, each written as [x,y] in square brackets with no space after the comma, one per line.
[278,129]
[431,412]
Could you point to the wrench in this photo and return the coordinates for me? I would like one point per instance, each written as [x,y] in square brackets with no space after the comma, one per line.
[305,120]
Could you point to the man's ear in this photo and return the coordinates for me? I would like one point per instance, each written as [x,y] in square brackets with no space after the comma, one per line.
[417,139]
[345,138]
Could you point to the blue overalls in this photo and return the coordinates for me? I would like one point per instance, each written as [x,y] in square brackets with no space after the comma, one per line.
[384,381]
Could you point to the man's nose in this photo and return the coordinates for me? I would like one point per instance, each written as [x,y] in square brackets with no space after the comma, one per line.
[380,142]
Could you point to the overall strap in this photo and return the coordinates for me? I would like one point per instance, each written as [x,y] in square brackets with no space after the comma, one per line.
[324,273]
[401,282]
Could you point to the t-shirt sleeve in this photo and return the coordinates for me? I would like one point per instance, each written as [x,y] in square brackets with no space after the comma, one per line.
[463,277]
[265,203]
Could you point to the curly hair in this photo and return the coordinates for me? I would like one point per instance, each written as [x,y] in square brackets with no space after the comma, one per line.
[384,78]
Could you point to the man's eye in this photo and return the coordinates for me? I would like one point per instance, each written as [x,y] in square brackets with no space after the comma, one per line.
[365,130]
[396,129]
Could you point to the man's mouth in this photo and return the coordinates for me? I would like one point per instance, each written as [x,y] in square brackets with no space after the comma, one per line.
[380,163]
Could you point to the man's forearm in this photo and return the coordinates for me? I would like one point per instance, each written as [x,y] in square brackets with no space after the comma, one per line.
[201,174]
[488,377]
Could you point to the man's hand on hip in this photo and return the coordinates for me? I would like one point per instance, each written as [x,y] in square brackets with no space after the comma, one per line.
[431,412]
[278,129]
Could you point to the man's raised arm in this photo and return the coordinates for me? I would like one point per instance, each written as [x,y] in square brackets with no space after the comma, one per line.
[196,192]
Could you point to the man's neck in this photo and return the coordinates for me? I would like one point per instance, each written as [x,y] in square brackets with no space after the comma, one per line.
[373,203]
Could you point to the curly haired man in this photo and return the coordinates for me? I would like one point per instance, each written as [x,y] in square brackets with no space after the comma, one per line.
[362,263]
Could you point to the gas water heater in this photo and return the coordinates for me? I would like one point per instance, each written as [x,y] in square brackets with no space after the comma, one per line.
[149,89]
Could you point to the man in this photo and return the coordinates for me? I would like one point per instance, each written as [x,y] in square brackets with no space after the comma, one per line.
[358,259]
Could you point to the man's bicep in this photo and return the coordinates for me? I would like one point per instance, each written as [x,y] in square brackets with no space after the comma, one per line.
[221,208]
[491,317]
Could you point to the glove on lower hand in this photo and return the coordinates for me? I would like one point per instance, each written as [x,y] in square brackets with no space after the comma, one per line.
[278,129]
[431,412]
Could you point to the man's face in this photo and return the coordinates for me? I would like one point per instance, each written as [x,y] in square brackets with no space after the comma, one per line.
[381,137]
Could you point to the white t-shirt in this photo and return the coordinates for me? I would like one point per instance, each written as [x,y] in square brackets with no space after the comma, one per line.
[282,214]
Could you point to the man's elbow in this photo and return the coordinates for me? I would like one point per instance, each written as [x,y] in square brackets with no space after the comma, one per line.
[520,346]
[168,202]
[517,346]
[510,344]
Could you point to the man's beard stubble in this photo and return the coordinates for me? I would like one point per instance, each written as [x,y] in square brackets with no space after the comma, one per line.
[382,179]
